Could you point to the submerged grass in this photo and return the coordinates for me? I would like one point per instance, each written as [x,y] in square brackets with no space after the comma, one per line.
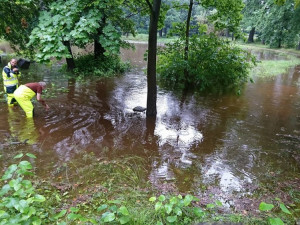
[90,187]
[271,68]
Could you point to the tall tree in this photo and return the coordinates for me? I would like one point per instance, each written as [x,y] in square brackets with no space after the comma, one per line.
[279,25]
[251,17]
[80,22]
[154,10]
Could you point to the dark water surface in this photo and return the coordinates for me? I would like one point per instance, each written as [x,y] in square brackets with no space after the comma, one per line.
[229,142]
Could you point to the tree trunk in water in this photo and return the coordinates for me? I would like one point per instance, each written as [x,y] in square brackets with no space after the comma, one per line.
[70,61]
[251,35]
[151,65]
[187,42]
[98,48]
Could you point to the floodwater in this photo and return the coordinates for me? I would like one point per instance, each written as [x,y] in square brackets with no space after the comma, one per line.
[229,142]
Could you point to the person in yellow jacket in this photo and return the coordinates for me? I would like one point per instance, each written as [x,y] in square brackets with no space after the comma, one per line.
[26,92]
[10,75]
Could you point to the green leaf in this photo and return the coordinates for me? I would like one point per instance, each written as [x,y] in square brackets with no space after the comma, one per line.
[159,223]
[171,219]
[199,212]
[265,206]
[168,208]
[25,165]
[188,199]
[218,203]
[123,210]
[152,199]
[210,206]
[73,209]
[177,211]
[31,155]
[60,214]
[39,198]
[124,219]
[161,198]
[115,202]
[73,216]
[284,209]
[102,207]
[109,217]
[158,205]
[173,201]
[19,156]
[6,188]
[276,221]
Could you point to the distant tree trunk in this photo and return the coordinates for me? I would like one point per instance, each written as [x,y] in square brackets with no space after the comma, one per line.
[70,61]
[98,48]
[227,33]
[251,35]
[151,65]
[232,36]
[187,42]
[298,47]
[160,32]
[165,31]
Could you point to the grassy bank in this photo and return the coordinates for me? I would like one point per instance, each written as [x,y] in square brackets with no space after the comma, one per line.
[95,190]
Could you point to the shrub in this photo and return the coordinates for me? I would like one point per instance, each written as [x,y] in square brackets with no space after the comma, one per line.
[105,66]
[212,64]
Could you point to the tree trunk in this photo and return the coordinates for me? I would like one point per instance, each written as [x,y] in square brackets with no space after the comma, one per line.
[151,65]
[70,61]
[160,32]
[251,35]
[98,48]
[187,42]
[165,31]
[298,47]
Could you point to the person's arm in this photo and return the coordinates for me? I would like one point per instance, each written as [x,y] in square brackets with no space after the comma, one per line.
[7,71]
[42,101]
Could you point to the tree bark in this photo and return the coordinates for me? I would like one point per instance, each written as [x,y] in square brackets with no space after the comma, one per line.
[298,47]
[98,48]
[151,65]
[251,35]
[187,42]
[70,61]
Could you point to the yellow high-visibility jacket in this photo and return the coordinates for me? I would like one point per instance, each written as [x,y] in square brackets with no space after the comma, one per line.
[10,79]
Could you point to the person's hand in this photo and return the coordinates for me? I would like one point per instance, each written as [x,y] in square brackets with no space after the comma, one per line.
[47,107]
[16,70]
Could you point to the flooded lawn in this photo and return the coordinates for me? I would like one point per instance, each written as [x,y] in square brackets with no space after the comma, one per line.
[225,145]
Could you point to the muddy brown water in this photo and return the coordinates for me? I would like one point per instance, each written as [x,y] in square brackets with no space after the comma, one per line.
[196,142]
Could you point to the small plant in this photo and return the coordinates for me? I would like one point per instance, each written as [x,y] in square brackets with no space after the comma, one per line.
[20,204]
[114,212]
[176,210]
[265,207]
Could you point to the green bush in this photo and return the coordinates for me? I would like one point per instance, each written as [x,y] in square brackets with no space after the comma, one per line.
[105,66]
[212,64]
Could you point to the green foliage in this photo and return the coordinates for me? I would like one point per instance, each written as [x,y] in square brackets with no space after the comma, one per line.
[79,22]
[176,210]
[213,64]
[20,204]
[106,66]
[114,211]
[17,21]
[265,207]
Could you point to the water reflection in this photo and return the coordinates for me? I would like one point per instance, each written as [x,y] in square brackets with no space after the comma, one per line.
[227,141]
[21,127]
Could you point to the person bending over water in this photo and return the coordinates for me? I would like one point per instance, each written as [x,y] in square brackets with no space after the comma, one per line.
[26,92]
